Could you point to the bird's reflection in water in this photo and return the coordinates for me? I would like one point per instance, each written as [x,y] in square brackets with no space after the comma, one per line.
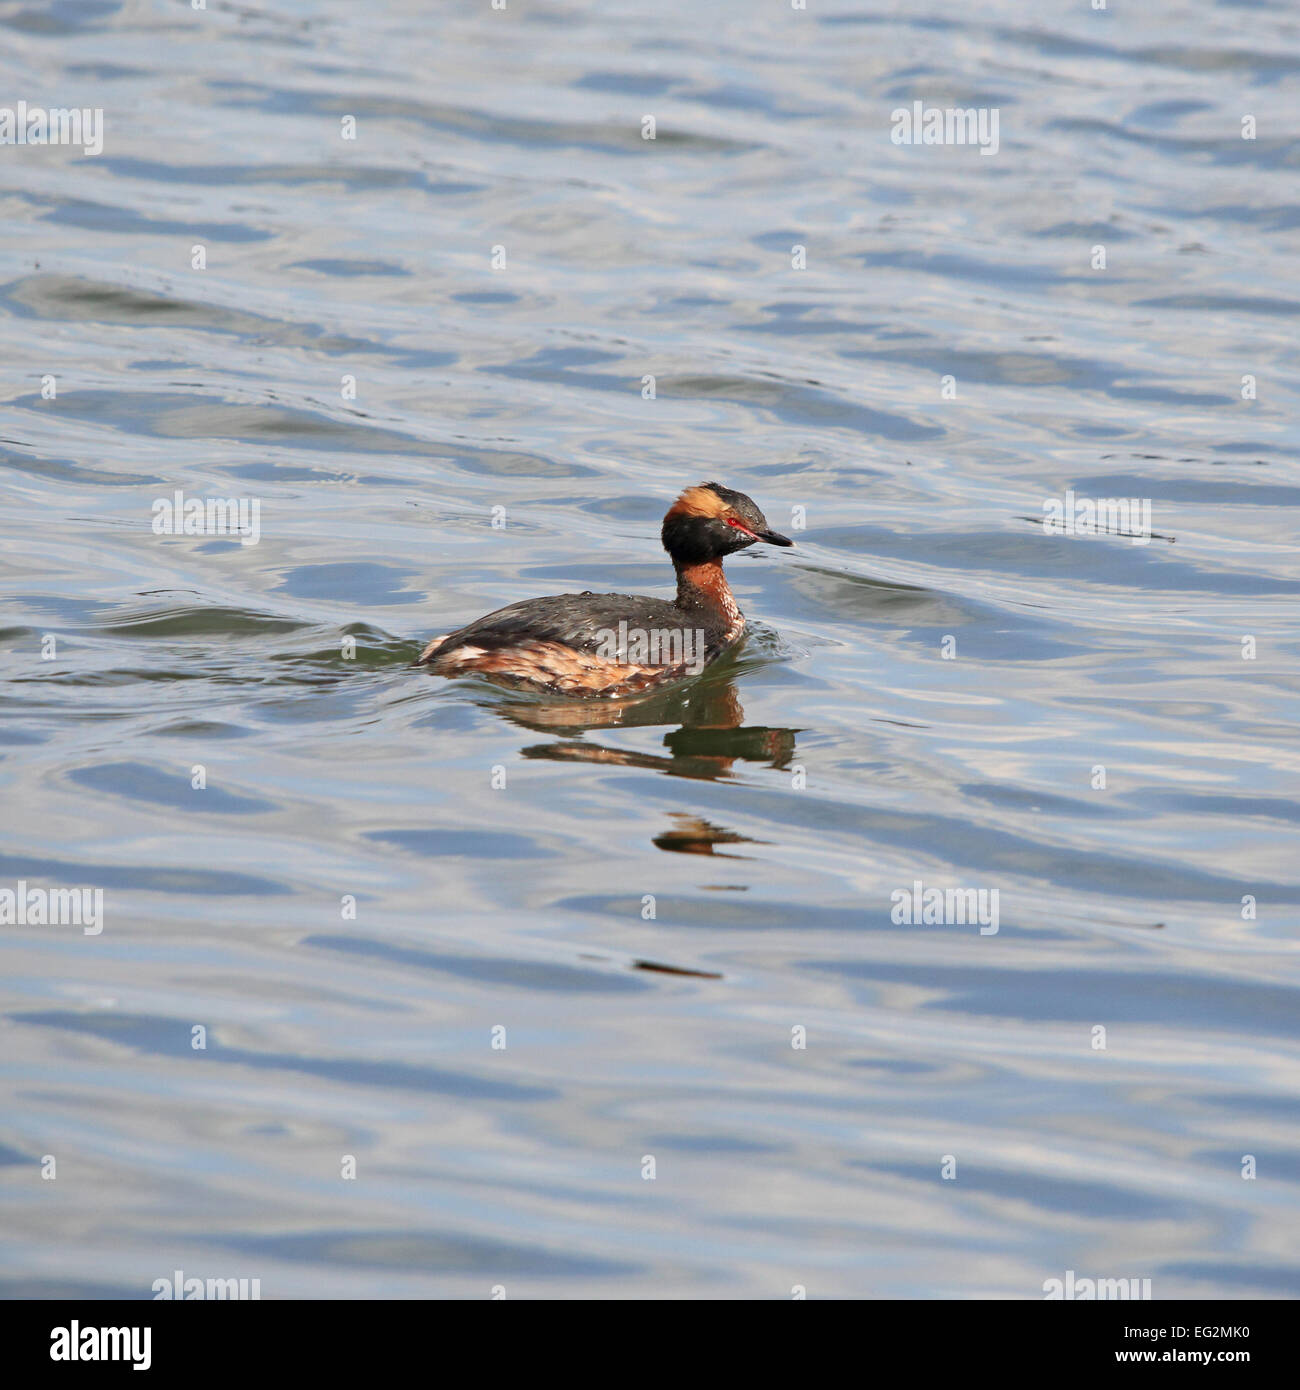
[710,737]
[693,835]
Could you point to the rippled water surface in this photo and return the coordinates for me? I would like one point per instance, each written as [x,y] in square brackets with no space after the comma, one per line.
[388,875]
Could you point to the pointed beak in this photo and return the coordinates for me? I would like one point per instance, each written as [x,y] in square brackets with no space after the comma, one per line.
[773,538]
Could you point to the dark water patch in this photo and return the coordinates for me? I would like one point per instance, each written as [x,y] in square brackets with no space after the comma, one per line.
[104,217]
[1185,487]
[142,878]
[1276,1279]
[1036,369]
[138,782]
[62,17]
[516,974]
[359,178]
[948,265]
[168,415]
[1223,304]
[20,738]
[186,621]
[628,83]
[800,405]
[172,1038]
[349,270]
[1050,1194]
[710,1144]
[489,127]
[63,298]
[487,297]
[68,1290]
[64,470]
[425,1252]
[1265,218]
[460,844]
[353,582]
[1275,808]
[1085,996]
[205,729]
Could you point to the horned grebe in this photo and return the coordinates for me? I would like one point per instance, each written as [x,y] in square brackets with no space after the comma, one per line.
[620,644]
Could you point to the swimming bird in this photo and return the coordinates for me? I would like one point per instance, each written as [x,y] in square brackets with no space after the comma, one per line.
[614,645]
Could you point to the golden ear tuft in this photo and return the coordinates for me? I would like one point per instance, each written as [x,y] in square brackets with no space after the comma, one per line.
[698,501]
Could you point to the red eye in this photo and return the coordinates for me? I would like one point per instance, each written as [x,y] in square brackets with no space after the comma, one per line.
[739,526]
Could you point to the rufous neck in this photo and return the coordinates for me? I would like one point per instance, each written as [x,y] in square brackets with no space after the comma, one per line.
[702,588]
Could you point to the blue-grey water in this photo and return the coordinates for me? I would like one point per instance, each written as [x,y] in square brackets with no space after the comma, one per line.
[538,974]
